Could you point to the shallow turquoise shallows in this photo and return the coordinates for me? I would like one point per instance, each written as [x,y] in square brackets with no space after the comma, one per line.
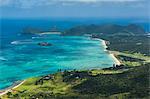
[25,58]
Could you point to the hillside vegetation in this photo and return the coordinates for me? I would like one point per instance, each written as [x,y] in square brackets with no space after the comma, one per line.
[106,29]
[131,38]
[130,84]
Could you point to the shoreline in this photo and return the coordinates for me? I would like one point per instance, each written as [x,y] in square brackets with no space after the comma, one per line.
[49,33]
[11,88]
[117,62]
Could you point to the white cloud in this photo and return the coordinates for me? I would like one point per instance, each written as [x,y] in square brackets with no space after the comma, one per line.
[32,3]
[5,2]
[97,1]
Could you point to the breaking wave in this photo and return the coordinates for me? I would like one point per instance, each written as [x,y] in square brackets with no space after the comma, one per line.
[22,42]
[2,58]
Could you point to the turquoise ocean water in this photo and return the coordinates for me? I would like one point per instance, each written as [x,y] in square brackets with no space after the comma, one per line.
[21,57]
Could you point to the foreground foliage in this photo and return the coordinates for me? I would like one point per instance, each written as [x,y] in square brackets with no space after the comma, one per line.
[94,84]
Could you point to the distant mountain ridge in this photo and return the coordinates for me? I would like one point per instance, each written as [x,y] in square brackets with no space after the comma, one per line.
[108,29]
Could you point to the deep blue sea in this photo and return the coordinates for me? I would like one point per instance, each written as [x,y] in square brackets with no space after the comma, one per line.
[21,57]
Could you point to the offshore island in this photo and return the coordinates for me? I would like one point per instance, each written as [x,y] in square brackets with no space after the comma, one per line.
[128,78]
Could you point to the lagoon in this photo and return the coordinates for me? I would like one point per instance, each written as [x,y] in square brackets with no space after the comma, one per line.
[25,58]
[21,57]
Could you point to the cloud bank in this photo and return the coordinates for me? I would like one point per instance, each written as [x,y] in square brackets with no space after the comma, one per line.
[32,3]
[75,8]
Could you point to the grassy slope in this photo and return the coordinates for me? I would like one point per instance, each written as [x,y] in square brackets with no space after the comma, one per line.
[135,59]
[90,84]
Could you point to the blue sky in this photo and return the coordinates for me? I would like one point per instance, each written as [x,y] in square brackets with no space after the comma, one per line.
[74,8]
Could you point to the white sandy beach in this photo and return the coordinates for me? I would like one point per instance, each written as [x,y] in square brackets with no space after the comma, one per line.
[50,33]
[10,89]
[117,62]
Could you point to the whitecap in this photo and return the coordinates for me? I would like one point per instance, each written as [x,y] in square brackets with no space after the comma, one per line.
[28,41]
[35,37]
[2,58]
[15,42]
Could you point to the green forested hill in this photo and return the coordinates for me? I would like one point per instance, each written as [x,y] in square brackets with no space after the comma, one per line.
[131,44]
[130,38]
[108,29]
